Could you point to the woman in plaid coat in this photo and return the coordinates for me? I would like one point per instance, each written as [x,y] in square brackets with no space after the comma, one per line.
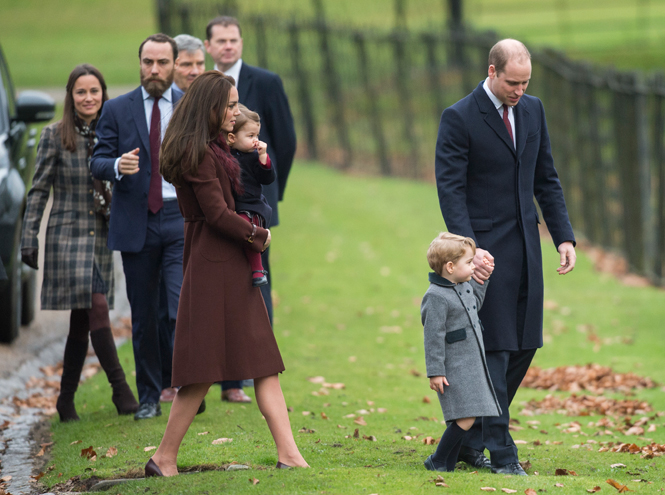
[78,267]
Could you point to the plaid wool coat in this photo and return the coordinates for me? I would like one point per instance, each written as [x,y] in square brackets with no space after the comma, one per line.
[76,234]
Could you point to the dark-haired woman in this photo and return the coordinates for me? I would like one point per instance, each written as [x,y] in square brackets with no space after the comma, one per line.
[222,330]
[78,267]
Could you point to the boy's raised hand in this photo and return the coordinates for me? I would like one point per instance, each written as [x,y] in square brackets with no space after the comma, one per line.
[436,383]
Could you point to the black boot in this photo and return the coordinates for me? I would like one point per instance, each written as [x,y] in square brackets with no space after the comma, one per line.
[104,346]
[75,352]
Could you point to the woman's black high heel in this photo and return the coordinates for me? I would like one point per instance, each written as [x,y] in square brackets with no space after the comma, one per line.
[152,469]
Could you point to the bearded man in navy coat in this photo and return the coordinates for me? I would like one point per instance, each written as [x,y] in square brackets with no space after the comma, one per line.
[261,91]
[146,225]
[492,157]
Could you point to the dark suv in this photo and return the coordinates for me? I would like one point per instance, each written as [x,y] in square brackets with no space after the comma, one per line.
[17,163]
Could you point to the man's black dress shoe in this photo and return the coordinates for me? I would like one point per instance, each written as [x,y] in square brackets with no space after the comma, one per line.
[148,410]
[202,407]
[152,469]
[513,468]
[473,458]
[429,465]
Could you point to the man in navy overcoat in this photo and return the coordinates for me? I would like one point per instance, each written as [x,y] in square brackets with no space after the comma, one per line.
[492,157]
[146,225]
[261,91]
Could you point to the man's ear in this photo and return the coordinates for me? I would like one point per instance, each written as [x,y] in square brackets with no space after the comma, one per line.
[231,138]
[175,64]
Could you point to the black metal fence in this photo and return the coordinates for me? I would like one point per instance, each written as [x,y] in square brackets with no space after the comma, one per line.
[371,100]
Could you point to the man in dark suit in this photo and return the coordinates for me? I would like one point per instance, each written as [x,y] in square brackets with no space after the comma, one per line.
[492,157]
[261,91]
[146,225]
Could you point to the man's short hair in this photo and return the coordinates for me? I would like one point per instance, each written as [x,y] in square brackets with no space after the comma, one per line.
[448,247]
[222,20]
[505,50]
[160,38]
[189,44]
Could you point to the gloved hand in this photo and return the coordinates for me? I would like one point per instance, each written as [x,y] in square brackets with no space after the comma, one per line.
[29,256]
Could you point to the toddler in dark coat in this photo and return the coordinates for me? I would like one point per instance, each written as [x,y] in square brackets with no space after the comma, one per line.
[256,170]
[454,349]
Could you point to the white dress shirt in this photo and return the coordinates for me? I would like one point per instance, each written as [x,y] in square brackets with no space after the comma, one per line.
[234,71]
[165,110]
[499,107]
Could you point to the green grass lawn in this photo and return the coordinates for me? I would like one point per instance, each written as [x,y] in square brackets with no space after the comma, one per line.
[349,270]
[43,41]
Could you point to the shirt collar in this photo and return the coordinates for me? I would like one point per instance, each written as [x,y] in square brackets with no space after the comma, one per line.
[435,278]
[233,71]
[497,103]
[166,95]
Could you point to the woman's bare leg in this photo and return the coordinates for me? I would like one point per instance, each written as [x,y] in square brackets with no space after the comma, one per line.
[186,403]
[271,402]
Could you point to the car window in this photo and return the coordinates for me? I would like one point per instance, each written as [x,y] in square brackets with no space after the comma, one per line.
[7,102]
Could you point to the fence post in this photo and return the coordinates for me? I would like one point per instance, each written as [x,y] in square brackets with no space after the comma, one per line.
[659,164]
[261,44]
[399,39]
[373,106]
[333,86]
[185,19]
[626,129]
[164,16]
[433,71]
[304,95]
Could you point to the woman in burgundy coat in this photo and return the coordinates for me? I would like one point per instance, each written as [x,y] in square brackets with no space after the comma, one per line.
[222,330]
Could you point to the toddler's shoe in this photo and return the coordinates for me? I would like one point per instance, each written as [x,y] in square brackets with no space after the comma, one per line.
[259,281]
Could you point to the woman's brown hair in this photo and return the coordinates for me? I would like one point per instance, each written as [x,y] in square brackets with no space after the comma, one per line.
[191,131]
[67,126]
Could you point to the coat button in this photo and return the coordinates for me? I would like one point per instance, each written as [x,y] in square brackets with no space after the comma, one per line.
[90,191]
[474,307]
[91,212]
[92,232]
[468,291]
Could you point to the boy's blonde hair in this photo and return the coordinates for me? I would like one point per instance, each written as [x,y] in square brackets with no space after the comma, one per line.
[246,115]
[448,247]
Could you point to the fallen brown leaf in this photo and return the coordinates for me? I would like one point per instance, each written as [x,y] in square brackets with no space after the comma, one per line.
[508,490]
[324,415]
[148,449]
[342,427]
[621,488]
[487,489]
[356,433]
[5,424]
[591,377]
[111,452]
[427,400]
[360,421]
[415,372]
[75,442]
[558,485]
[561,472]
[617,465]
[371,438]
[5,479]
[306,430]
[594,489]
[88,453]
[530,491]
[254,481]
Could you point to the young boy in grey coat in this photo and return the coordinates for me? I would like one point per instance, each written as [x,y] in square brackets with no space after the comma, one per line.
[454,349]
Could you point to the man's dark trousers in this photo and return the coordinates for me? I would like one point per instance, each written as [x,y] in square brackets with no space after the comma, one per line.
[161,256]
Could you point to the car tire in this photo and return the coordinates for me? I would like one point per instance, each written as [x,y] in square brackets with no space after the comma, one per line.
[28,293]
[10,303]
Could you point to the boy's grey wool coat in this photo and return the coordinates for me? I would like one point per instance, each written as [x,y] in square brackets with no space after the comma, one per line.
[76,234]
[454,348]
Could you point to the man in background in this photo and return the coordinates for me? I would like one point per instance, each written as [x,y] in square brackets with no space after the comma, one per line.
[261,91]
[190,62]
